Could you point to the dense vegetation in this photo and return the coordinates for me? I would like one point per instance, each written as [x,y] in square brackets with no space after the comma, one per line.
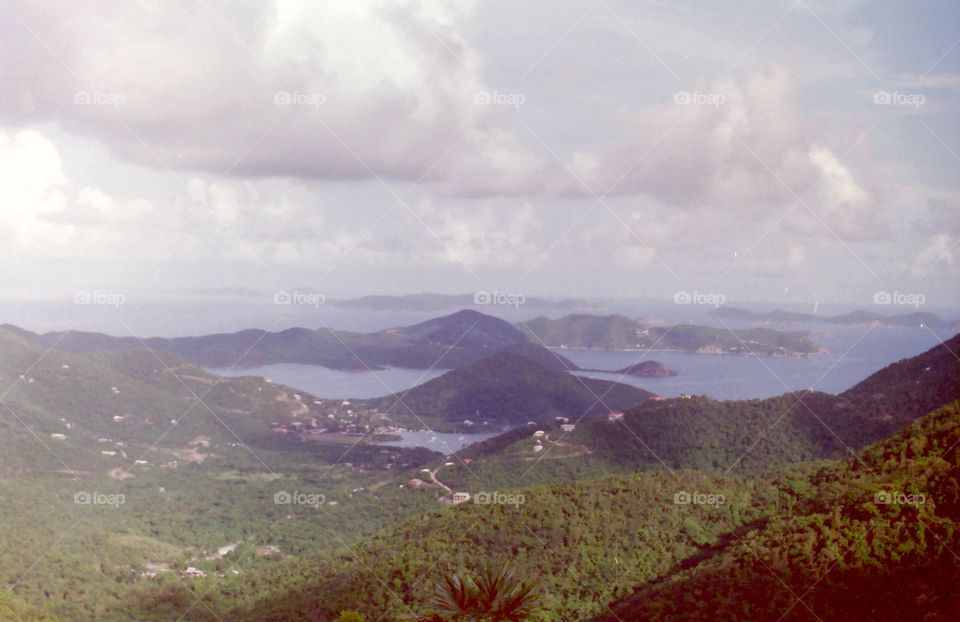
[647,369]
[875,542]
[678,510]
[506,389]
[445,342]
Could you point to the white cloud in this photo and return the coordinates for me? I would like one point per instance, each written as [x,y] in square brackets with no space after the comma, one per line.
[346,89]
[32,185]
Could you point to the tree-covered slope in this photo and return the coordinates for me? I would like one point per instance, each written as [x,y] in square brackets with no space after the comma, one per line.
[736,436]
[877,541]
[445,342]
[506,389]
[677,545]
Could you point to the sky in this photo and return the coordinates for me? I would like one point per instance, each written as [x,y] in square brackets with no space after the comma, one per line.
[761,150]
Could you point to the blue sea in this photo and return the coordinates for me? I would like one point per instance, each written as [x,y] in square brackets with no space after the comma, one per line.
[854,352]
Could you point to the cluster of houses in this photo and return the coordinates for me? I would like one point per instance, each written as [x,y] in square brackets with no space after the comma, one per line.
[333,418]
[538,435]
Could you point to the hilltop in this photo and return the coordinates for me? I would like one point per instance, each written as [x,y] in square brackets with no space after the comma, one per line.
[108,407]
[647,369]
[618,332]
[445,342]
[506,389]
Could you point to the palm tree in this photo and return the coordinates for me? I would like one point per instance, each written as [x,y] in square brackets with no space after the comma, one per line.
[493,595]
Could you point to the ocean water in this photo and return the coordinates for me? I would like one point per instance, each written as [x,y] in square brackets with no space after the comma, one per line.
[854,354]
[444,442]
[335,384]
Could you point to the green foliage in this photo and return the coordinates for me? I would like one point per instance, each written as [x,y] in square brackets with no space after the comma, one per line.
[847,553]
[506,389]
[778,530]
[492,595]
[450,341]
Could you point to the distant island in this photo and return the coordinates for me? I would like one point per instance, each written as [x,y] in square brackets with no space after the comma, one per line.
[447,302]
[618,332]
[445,342]
[647,369]
[916,319]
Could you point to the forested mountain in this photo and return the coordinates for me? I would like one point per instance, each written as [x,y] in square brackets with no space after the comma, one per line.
[80,406]
[677,545]
[618,332]
[506,389]
[874,541]
[445,342]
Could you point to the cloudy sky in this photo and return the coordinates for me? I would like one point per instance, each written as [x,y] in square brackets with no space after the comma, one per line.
[768,150]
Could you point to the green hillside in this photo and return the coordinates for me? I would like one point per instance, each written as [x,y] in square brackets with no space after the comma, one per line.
[876,542]
[445,342]
[598,522]
[506,389]
[680,545]
[736,436]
